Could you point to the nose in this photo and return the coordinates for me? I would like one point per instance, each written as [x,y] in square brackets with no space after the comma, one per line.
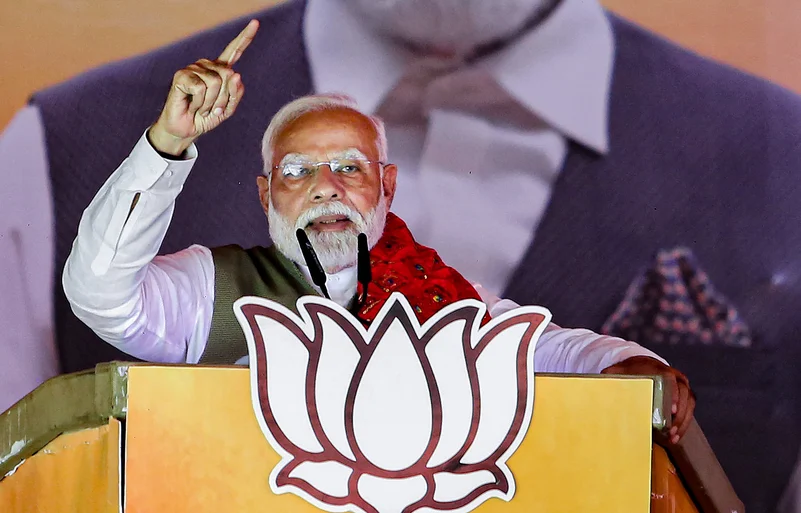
[326,186]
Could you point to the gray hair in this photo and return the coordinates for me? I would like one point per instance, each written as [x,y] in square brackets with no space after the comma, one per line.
[315,103]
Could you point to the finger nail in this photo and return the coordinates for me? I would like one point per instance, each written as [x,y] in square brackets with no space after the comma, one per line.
[674,430]
[675,439]
[218,111]
[674,408]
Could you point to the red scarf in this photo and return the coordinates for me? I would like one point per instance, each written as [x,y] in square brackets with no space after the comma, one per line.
[399,264]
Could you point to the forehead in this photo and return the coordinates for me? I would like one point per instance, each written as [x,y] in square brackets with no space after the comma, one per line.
[326,131]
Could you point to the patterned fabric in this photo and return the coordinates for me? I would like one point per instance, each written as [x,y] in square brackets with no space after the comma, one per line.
[400,264]
[674,302]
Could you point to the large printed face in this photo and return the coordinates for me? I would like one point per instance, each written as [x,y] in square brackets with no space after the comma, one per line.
[449,26]
[335,201]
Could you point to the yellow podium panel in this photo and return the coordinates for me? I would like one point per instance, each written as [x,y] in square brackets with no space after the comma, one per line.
[76,472]
[193,444]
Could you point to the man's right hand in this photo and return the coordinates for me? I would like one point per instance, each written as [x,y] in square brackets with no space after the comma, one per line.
[202,96]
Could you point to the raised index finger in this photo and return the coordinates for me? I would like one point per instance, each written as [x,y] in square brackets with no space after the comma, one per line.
[234,50]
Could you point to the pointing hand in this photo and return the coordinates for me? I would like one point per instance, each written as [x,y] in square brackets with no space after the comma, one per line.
[202,96]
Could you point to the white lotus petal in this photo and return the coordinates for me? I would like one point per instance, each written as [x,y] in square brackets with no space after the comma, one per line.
[338,360]
[392,412]
[391,495]
[287,362]
[330,477]
[446,355]
[452,487]
[497,379]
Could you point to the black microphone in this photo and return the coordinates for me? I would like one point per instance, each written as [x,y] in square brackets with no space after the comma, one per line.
[312,262]
[364,272]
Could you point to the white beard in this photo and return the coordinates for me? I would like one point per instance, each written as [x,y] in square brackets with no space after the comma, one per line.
[449,26]
[335,250]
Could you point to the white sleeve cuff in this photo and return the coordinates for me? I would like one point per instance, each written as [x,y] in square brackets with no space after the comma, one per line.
[145,167]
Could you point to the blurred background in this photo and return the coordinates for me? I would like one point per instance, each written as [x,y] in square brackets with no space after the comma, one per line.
[45,41]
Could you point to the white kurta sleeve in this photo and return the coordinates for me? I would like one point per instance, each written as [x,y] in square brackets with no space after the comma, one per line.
[157,308]
[565,350]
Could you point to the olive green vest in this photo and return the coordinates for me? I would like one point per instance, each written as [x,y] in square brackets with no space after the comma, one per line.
[258,271]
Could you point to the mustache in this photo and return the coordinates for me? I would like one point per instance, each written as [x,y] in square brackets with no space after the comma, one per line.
[333,208]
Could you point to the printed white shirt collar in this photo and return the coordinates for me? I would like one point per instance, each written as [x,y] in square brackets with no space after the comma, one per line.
[561,70]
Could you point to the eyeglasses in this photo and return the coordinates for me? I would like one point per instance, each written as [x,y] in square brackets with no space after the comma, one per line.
[341,166]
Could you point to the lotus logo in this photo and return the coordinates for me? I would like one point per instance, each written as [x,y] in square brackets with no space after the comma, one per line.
[397,417]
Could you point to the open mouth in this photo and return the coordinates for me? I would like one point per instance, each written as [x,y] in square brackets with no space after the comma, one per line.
[330,223]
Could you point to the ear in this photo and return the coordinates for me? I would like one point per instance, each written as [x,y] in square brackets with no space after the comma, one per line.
[264,192]
[389,181]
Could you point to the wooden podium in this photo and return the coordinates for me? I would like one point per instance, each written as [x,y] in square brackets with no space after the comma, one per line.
[148,438]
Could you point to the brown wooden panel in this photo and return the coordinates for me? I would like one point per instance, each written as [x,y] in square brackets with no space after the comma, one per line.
[701,472]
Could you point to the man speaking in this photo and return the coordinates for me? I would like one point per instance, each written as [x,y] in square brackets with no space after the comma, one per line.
[326,181]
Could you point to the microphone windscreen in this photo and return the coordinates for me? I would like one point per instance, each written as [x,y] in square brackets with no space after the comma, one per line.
[364,272]
[315,268]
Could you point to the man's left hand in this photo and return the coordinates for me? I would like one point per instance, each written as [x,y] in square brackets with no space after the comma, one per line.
[683,397]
